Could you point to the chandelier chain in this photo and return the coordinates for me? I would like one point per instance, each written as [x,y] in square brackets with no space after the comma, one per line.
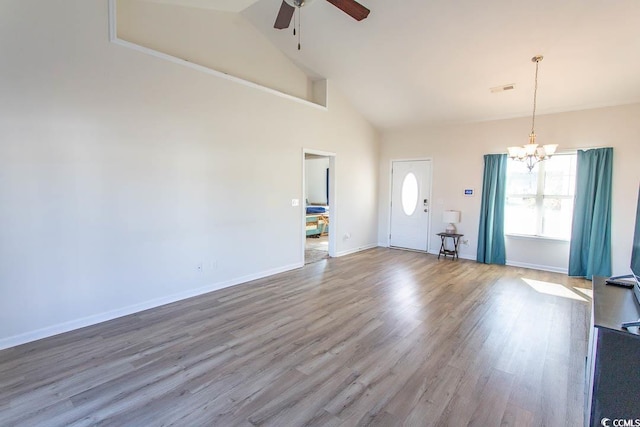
[535,95]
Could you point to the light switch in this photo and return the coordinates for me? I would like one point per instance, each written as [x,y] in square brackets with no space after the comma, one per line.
[295,202]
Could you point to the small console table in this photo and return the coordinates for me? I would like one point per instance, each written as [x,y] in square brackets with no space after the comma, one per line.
[443,247]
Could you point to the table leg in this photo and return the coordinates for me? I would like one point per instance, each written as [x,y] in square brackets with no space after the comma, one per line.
[442,247]
[456,240]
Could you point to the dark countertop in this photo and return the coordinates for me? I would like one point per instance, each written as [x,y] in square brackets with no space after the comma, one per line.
[614,305]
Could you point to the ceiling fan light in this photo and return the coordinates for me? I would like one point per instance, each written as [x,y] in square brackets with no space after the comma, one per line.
[298,3]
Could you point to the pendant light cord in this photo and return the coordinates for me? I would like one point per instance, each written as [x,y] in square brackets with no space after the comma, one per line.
[299,25]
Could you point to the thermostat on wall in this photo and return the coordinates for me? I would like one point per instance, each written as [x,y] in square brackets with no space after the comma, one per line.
[468,192]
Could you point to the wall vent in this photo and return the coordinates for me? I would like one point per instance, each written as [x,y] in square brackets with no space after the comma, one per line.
[502,88]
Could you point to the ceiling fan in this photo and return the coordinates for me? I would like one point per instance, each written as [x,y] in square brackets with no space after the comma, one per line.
[288,7]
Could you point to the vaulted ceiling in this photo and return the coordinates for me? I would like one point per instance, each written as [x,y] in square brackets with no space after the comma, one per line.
[427,62]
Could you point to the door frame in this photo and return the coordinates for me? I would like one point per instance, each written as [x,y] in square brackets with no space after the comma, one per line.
[333,216]
[416,159]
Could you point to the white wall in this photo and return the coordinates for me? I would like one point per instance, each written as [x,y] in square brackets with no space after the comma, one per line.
[222,41]
[457,152]
[121,173]
[316,179]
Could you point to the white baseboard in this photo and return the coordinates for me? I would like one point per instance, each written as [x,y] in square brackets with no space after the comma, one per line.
[463,256]
[550,268]
[358,249]
[71,325]
[516,264]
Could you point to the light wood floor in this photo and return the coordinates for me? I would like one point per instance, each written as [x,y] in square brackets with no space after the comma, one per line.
[383,337]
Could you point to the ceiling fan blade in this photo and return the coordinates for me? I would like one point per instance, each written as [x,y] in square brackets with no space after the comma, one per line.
[351,8]
[284,16]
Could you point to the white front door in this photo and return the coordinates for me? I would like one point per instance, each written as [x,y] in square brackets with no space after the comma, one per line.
[410,204]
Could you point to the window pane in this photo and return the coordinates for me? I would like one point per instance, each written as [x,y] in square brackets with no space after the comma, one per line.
[540,202]
[520,180]
[559,177]
[520,215]
[556,217]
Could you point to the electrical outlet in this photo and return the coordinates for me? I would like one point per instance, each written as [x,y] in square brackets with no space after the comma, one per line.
[465,242]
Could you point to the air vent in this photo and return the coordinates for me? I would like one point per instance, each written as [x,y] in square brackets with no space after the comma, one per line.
[502,88]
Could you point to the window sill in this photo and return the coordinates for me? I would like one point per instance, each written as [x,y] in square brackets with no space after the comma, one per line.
[530,237]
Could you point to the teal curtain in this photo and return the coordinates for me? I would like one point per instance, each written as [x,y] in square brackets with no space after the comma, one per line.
[590,248]
[491,248]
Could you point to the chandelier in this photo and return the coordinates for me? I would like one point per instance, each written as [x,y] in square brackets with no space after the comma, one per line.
[532,153]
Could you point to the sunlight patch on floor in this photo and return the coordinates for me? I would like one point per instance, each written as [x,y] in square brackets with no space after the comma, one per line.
[554,289]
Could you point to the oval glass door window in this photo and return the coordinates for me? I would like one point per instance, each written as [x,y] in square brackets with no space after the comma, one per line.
[409,194]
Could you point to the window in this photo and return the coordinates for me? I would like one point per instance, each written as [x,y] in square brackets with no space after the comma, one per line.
[409,194]
[540,202]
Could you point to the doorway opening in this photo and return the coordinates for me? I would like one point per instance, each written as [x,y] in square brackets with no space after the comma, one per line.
[319,205]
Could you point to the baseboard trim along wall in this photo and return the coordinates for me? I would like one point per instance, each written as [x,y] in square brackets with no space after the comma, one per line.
[549,268]
[463,256]
[132,309]
[355,250]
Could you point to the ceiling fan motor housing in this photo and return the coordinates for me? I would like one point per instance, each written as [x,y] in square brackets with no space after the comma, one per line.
[287,8]
[298,3]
